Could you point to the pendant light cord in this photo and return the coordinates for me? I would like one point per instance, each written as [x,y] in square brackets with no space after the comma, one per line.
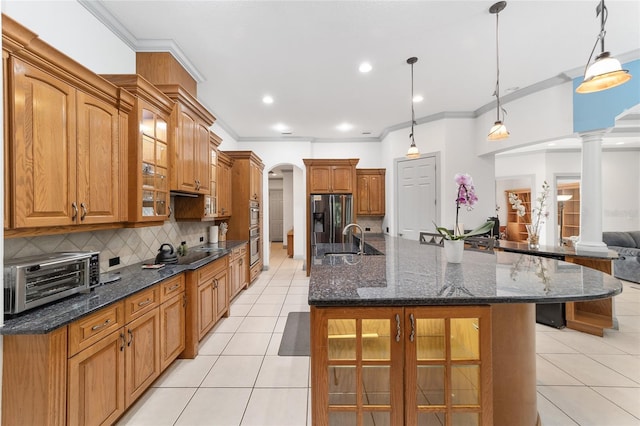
[497,91]
[604,15]
[413,114]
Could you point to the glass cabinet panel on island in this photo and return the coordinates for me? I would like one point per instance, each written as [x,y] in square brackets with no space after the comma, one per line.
[394,366]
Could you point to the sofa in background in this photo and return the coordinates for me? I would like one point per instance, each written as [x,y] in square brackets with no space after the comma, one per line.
[627,245]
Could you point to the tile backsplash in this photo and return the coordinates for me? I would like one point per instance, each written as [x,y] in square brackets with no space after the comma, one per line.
[132,245]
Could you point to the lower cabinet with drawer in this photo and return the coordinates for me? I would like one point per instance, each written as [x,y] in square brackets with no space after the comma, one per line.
[238,270]
[207,291]
[91,371]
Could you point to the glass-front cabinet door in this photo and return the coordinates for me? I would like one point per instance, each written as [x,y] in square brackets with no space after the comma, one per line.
[426,366]
[357,367]
[448,366]
[154,166]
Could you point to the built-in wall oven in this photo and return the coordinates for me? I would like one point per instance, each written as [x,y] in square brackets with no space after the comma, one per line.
[254,214]
[254,245]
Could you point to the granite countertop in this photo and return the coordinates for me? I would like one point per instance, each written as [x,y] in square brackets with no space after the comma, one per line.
[417,274]
[47,318]
[521,247]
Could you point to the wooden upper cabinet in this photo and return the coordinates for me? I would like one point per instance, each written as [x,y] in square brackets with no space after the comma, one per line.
[66,153]
[189,142]
[255,190]
[224,202]
[326,176]
[370,199]
[147,156]
[65,136]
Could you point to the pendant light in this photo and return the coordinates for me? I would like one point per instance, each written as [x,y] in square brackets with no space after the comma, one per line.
[413,149]
[498,131]
[605,72]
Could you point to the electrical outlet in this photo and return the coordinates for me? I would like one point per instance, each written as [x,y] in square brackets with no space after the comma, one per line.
[114,261]
[183,243]
[367,229]
[201,239]
[387,229]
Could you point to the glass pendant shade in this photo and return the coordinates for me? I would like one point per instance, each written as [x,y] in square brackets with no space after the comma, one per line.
[498,131]
[606,72]
[413,151]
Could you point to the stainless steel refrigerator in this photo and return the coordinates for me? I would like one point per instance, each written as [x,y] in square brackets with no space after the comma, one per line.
[330,213]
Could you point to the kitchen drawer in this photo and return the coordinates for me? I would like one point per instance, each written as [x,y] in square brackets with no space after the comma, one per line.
[206,273]
[255,271]
[86,331]
[141,303]
[238,252]
[171,287]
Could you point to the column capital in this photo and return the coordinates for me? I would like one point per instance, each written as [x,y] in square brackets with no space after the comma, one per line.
[594,135]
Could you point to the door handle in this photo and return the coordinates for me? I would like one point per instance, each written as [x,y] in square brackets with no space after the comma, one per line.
[130,337]
[84,211]
[74,206]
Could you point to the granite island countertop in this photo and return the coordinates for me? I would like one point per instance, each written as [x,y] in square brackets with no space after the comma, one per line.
[133,279]
[554,251]
[411,273]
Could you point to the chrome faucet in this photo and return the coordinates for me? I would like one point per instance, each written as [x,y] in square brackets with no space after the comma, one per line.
[346,229]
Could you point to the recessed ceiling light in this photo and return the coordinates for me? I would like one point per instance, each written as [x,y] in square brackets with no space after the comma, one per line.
[281,127]
[551,144]
[344,127]
[418,98]
[620,143]
[267,99]
[365,67]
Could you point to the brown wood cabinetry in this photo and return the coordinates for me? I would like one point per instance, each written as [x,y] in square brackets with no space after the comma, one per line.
[172,319]
[90,371]
[327,176]
[207,292]
[97,382]
[148,152]
[202,207]
[246,187]
[65,138]
[189,143]
[239,271]
[370,199]
[395,365]
[516,225]
[569,210]
[224,192]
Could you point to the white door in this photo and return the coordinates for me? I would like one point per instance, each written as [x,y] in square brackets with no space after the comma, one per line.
[416,189]
[275,214]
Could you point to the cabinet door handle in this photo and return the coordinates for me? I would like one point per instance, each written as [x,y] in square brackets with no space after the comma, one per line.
[215,280]
[144,302]
[398,330]
[123,342]
[241,261]
[130,337]
[169,215]
[413,328]
[99,326]
[74,206]
[84,211]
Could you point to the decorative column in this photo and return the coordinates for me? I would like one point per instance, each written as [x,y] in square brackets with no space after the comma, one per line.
[591,193]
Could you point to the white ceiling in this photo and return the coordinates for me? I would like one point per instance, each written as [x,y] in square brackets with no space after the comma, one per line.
[306,55]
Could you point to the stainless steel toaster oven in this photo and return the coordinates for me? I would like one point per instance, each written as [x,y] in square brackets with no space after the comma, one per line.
[36,280]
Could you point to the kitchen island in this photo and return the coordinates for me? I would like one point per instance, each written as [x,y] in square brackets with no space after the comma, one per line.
[407,338]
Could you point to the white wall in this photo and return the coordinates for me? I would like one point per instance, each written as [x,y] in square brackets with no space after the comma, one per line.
[74,31]
[541,116]
[287,205]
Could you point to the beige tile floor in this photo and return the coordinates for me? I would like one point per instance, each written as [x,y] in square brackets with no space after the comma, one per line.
[239,379]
